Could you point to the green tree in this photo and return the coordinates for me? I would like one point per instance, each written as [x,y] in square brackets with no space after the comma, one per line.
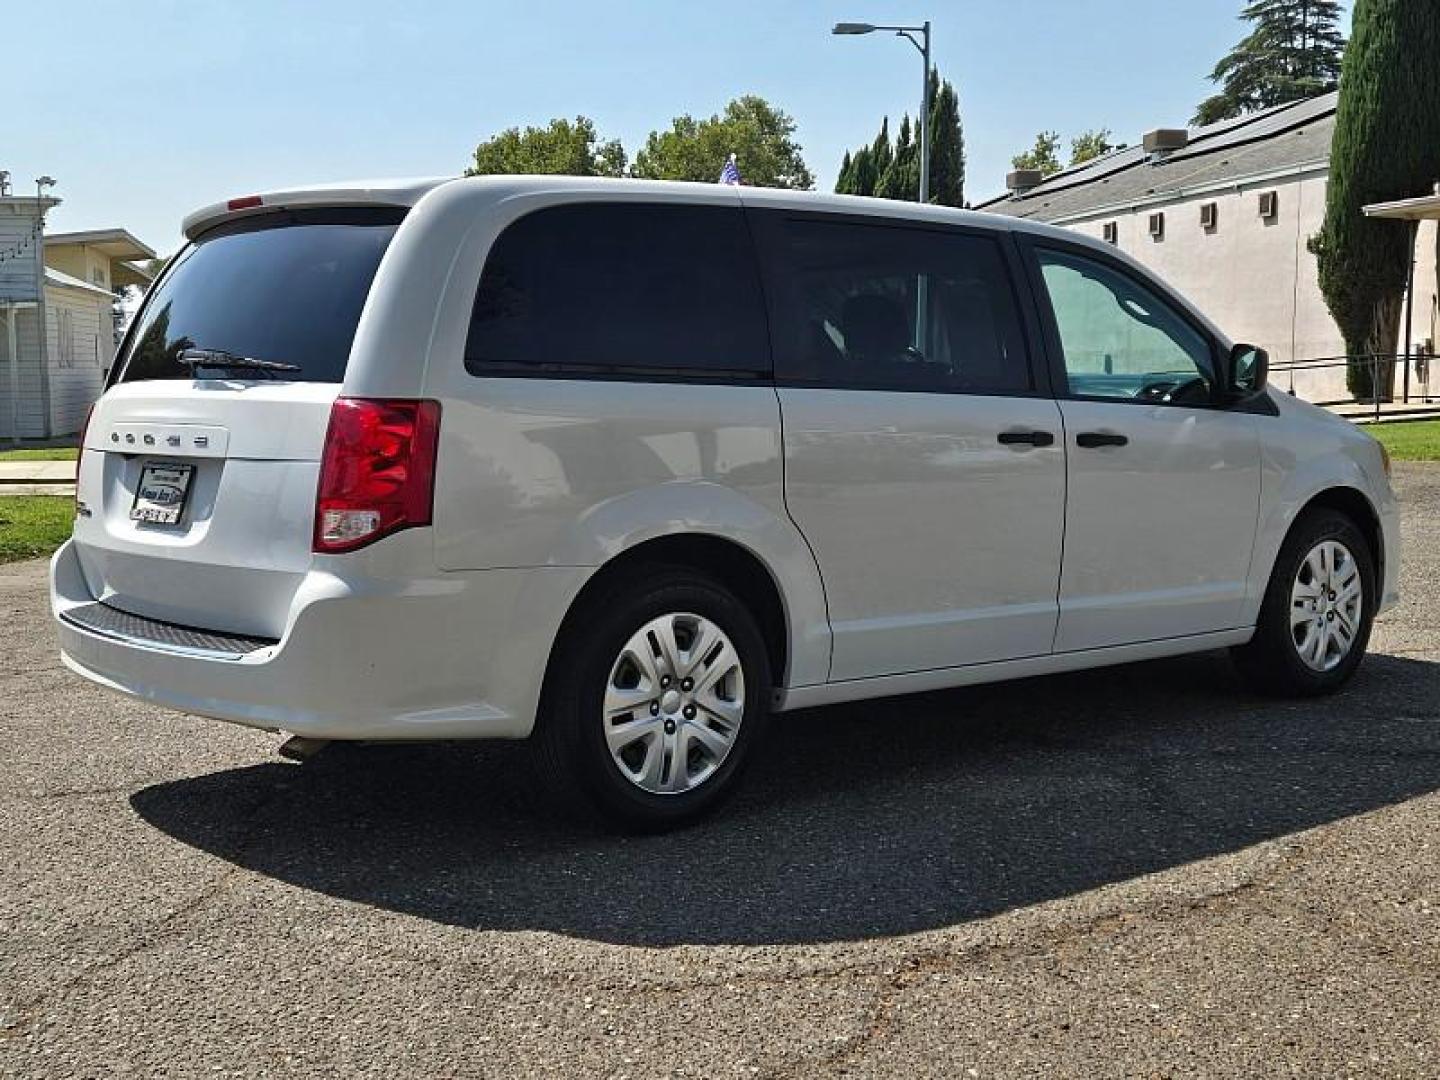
[1042,156]
[761,137]
[1292,52]
[565,147]
[1089,145]
[892,170]
[1386,146]
[901,179]
[947,145]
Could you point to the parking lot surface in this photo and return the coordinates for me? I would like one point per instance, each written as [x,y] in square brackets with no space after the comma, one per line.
[1139,871]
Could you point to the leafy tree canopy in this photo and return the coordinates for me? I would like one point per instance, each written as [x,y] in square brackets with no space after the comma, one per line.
[1089,145]
[1043,155]
[761,137]
[1293,51]
[565,147]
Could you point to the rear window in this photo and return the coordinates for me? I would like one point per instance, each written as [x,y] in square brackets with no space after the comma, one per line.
[283,288]
[622,289]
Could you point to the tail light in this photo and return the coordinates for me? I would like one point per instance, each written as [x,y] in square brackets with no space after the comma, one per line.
[377,472]
[80,453]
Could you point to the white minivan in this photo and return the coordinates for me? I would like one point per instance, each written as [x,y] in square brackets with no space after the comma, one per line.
[626,467]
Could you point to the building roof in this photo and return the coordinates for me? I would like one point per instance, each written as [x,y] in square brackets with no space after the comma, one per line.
[1424,208]
[1285,139]
[65,281]
[115,243]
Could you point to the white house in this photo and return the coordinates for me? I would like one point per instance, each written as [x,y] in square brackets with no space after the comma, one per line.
[1224,213]
[57,332]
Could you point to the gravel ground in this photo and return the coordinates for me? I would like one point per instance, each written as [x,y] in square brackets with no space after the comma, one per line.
[1142,871]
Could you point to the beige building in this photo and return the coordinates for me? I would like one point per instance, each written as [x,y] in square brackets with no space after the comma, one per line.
[57,326]
[1224,213]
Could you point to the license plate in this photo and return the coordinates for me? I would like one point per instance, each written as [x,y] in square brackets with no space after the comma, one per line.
[161,494]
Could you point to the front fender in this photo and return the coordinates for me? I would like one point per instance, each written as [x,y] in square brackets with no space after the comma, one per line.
[1303,460]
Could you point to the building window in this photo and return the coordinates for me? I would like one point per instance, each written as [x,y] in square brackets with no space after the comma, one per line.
[1209,216]
[1157,226]
[1112,232]
[1269,205]
[67,338]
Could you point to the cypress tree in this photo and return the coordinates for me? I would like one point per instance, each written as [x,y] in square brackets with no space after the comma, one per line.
[893,171]
[863,175]
[1386,147]
[902,179]
[881,153]
[947,145]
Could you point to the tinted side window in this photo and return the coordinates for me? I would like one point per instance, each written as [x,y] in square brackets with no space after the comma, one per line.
[621,289]
[1119,339]
[889,307]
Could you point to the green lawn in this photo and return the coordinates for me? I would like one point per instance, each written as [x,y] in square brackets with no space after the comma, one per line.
[58,453]
[1411,441]
[33,525]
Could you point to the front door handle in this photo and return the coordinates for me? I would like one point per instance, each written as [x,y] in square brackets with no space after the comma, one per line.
[1031,438]
[1091,439]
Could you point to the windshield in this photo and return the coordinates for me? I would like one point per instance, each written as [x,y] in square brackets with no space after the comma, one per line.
[282,289]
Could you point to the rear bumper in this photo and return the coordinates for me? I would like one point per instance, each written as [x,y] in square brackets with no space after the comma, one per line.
[454,656]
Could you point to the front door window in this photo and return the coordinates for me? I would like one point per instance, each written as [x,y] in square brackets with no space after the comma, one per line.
[1119,339]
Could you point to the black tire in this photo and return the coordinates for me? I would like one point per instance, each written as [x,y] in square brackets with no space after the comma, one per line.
[1271,661]
[574,760]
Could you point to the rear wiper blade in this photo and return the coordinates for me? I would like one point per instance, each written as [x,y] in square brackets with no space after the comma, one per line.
[219,358]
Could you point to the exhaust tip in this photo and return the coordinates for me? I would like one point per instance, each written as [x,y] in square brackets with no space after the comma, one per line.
[300,748]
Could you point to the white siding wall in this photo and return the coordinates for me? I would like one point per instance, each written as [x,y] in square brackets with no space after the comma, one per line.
[31,390]
[79,357]
[19,277]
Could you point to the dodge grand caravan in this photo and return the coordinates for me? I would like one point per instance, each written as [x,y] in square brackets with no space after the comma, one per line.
[627,467]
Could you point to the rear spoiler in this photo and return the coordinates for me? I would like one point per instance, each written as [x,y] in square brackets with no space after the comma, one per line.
[402,193]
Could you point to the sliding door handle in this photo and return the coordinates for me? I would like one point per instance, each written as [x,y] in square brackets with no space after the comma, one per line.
[1092,439]
[1024,438]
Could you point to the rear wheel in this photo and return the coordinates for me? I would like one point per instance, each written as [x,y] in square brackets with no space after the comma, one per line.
[1315,619]
[657,692]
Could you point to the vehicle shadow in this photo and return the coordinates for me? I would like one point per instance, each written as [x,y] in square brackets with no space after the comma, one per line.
[860,821]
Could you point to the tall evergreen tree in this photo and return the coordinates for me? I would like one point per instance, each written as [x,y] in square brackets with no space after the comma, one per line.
[902,179]
[1293,52]
[1386,146]
[892,171]
[947,145]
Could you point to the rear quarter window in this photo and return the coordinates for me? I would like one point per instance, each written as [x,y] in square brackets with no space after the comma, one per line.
[621,289]
[286,287]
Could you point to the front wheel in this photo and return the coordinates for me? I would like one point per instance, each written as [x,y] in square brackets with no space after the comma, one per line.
[1315,619]
[657,692]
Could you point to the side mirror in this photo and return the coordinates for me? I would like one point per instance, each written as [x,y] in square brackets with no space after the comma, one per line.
[1247,372]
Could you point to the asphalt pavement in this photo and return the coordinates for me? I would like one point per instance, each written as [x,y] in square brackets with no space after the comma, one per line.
[1142,871]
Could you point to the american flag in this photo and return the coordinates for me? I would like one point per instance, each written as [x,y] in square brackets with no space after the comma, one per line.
[731,173]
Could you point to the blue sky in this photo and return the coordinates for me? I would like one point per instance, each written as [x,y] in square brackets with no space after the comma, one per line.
[164,105]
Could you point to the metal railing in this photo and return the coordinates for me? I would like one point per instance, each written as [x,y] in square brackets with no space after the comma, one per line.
[1411,371]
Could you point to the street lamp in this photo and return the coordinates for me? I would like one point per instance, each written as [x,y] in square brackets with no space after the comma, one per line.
[908,33]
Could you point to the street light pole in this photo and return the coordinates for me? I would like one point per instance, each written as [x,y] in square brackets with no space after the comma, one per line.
[923,45]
